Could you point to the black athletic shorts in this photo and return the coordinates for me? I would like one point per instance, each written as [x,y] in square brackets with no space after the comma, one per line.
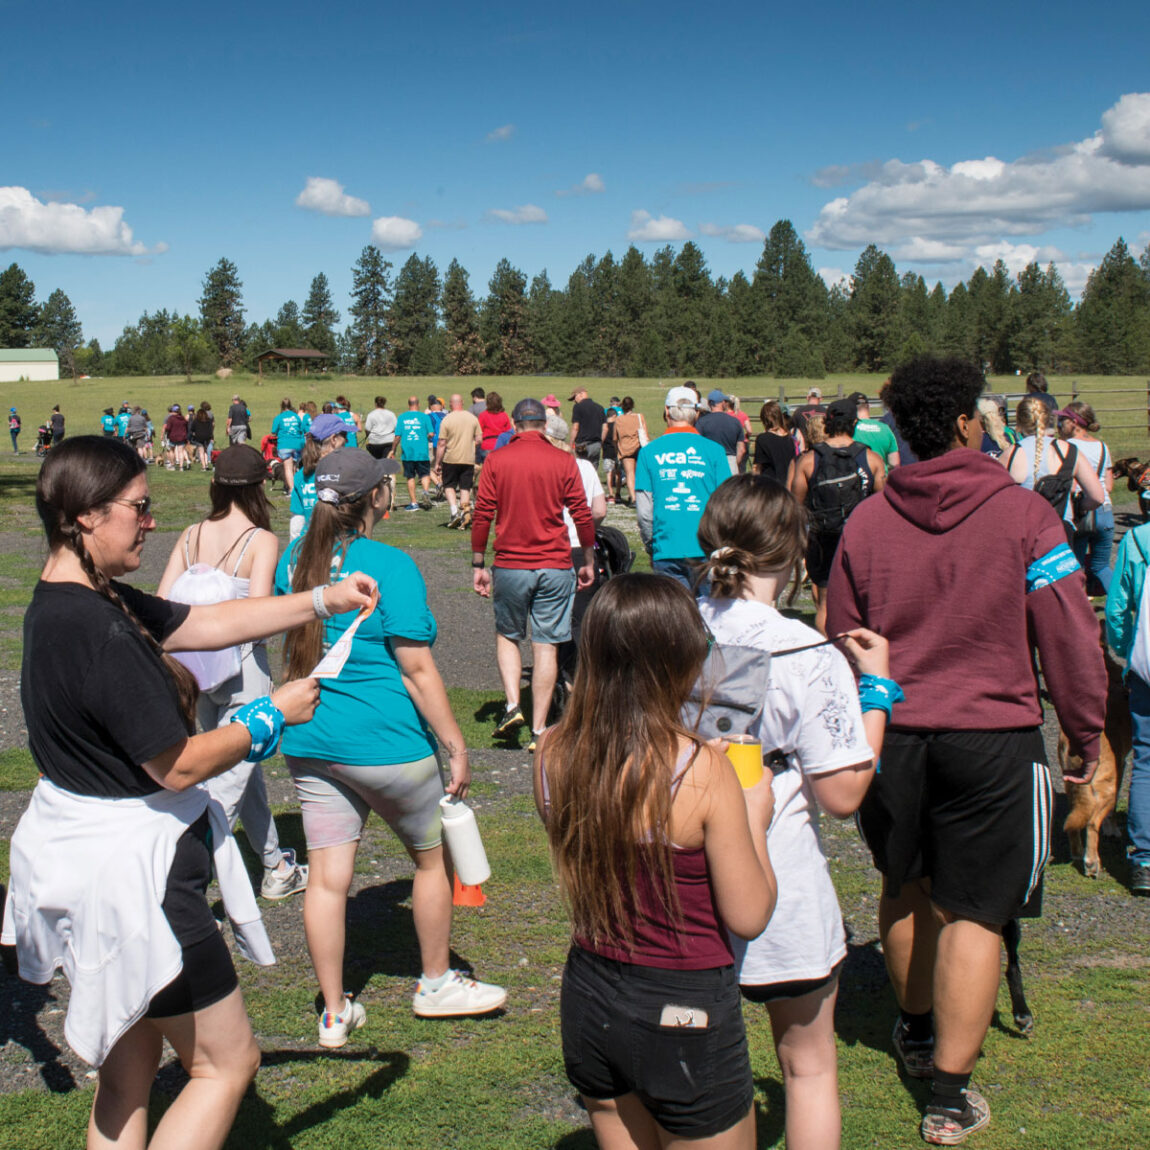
[821,550]
[694,1080]
[459,476]
[208,974]
[380,450]
[970,810]
[781,991]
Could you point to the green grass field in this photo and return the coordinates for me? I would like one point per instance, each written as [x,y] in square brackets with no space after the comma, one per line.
[1080,1083]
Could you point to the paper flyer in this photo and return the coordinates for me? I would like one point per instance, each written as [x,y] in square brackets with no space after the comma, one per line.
[332,663]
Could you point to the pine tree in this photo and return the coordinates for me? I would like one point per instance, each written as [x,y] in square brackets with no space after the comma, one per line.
[874,311]
[1041,319]
[17,307]
[288,327]
[504,323]
[576,324]
[58,328]
[371,303]
[414,319]
[222,312]
[1113,319]
[463,348]
[636,304]
[544,312]
[320,317]
[788,294]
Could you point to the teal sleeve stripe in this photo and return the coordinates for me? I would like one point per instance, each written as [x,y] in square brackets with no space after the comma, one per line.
[1054,565]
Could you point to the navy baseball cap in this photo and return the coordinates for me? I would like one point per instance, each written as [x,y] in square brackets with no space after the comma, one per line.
[529,411]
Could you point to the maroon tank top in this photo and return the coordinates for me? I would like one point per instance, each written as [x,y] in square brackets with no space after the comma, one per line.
[699,941]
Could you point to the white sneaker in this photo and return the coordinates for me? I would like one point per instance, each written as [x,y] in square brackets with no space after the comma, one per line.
[281,884]
[334,1028]
[458,995]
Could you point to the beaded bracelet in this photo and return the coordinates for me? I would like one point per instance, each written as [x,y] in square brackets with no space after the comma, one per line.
[879,694]
[265,723]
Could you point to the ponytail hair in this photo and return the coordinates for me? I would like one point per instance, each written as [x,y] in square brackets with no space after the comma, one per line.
[333,528]
[85,473]
[752,525]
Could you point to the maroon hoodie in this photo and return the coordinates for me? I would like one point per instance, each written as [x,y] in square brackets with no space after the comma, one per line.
[937,563]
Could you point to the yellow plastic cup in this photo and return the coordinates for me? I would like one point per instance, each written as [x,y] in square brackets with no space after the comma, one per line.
[746,755]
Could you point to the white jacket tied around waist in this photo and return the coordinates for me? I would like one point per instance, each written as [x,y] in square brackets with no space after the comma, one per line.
[89,876]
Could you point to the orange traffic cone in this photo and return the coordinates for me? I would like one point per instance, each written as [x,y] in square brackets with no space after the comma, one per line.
[468,895]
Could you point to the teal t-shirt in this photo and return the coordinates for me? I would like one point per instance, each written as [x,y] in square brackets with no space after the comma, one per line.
[877,436]
[352,430]
[108,423]
[413,428]
[305,421]
[122,423]
[288,430]
[303,497]
[365,716]
[680,469]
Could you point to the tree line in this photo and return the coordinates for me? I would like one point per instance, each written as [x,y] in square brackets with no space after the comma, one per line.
[663,316]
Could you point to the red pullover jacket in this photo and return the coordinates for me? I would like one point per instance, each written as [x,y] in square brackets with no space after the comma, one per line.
[524,487]
[941,563]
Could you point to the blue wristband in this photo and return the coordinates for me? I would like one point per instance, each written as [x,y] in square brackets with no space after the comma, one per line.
[265,723]
[877,694]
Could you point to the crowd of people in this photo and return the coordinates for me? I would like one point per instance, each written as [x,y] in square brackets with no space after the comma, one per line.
[691,897]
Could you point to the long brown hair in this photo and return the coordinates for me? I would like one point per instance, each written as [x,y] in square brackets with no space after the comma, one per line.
[251,499]
[332,530]
[85,473]
[610,762]
[752,525]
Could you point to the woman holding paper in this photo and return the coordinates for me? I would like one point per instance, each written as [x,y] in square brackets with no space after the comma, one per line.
[111,860]
[374,742]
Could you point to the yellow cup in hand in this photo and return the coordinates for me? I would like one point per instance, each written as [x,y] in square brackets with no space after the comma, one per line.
[746,755]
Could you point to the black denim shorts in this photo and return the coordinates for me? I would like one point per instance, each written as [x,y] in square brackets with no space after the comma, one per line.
[695,1080]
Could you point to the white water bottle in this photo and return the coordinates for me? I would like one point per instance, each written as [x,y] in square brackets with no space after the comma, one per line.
[463,842]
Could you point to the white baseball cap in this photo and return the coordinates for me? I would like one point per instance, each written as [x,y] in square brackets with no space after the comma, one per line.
[680,397]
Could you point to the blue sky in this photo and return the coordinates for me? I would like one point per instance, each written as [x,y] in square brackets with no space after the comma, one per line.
[139,143]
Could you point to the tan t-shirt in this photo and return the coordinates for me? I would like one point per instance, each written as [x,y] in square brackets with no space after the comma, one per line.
[457,435]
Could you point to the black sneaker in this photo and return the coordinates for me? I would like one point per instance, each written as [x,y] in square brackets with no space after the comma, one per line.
[1139,879]
[917,1058]
[512,720]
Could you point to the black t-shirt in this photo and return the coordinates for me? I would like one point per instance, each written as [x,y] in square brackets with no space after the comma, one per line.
[774,454]
[57,421]
[201,430]
[590,417]
[799,415]
[97,699]
[721,428]
[238,414]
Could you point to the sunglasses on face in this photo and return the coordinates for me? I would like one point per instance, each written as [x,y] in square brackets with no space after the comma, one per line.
[143,506]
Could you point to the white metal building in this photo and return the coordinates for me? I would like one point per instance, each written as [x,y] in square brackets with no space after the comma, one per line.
[28,363]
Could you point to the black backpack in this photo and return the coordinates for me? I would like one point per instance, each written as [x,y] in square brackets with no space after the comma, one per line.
[838,485]
[613,553]
[1055,487]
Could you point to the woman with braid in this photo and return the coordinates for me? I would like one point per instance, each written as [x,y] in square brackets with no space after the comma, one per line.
[1027,463]
[111,861]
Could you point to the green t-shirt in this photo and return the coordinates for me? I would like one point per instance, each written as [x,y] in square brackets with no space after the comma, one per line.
[877,436]
[365,716]
[680,469]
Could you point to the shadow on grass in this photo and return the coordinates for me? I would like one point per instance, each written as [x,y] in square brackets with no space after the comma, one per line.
[255,1127]
[20,1006]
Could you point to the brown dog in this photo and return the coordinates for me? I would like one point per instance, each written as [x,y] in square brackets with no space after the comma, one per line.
[1093,802]
[1137,476]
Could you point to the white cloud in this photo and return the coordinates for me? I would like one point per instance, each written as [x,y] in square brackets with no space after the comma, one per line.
[51,228]
[590,185]
[738,234]
[327,196]
[924,211]
[646,228]
[498,135]
[832,276]
[1126,129]
[524,214]
[395,234]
